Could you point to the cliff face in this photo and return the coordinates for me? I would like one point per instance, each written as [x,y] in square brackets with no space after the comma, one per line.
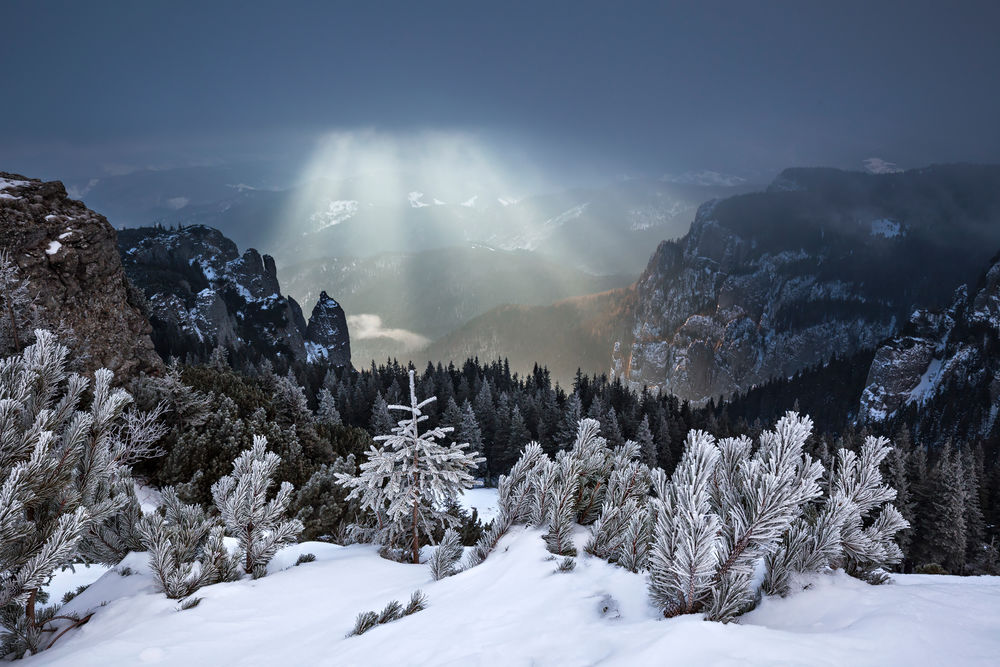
[69,254]
[202,293]
[954,350]
[824,263]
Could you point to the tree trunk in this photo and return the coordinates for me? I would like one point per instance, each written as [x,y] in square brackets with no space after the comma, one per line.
[29,608]
[416,504]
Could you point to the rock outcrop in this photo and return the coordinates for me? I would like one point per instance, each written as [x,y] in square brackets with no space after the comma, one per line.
[203,293]
[326,334]
[824,263]
[69,254]
[954,349]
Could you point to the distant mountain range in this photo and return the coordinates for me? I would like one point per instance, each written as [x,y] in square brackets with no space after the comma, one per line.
[602,230]
[411,260]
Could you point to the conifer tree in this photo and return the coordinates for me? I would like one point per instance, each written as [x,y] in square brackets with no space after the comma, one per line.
[327,413]
[570,422]
[469,432]
[408,482]
[647,446]
[946,531]
[610,429]
[975,528]
[257,523]
[381,420]
[453,415]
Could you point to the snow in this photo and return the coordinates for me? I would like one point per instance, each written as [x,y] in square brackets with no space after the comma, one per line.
[886,228]
[483,500]
[514,609]
[876,165]
[337,211]
[53,248]
[149,498]
[65,235]
[415,199]
[928,382]
[6,183]
[315,352]
[469,203]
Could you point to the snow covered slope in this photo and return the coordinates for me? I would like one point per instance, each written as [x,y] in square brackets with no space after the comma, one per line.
[515,610]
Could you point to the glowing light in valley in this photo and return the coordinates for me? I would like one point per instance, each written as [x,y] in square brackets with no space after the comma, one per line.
[395,172]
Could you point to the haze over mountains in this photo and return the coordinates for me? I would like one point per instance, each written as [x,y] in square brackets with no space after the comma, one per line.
[415,261]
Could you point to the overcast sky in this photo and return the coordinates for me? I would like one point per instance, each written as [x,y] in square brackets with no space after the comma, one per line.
[739,87]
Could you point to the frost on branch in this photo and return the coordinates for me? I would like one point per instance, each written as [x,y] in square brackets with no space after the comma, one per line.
[408,482]
[854,527]
[725,509]
[444,562]
[589,484]
[66,492]
[258,524]
[185,548]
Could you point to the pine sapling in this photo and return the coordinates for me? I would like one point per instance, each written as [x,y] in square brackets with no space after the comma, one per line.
[257,522]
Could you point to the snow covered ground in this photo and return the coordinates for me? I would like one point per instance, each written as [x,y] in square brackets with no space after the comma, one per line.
[515,610]
[483,500]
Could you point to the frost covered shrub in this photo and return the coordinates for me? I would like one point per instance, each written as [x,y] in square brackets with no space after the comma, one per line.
[393,611]
[513,501]
[730,508]
[66,492]
[853,527]
[406,484]
[727,506]
[444,562]
[186,549]
[257,523]
[590,483]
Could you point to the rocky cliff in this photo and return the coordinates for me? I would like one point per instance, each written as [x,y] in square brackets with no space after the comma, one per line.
[70,256]
[952,351]
[823,263]
[203,293]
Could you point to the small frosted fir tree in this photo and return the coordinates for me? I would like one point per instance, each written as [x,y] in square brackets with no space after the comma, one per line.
[66,492]
[258,524]
[407,483]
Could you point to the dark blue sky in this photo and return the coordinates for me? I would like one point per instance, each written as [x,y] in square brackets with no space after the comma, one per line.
[740,87]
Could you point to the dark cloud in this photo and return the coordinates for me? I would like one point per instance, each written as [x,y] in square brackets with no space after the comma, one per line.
[744,87]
